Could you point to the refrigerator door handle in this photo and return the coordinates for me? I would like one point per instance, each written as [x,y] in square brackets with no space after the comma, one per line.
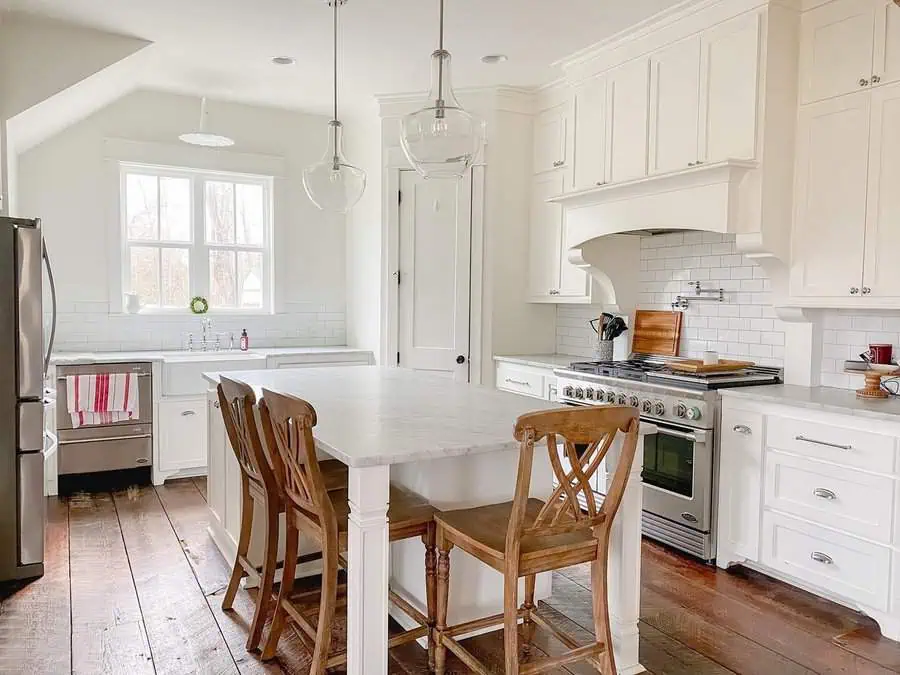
[30,317]
[50,342]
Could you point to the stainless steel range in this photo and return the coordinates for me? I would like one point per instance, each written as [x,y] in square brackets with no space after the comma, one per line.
[681,461]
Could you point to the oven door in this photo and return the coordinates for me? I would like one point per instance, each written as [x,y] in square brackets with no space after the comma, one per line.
[677,475]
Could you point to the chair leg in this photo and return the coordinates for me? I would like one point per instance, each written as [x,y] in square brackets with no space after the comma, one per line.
[511,621]
[599,593]
[442,600]
[528,606]
[267,581]
[327,605]
[243,543]
[429,539]
[291,542]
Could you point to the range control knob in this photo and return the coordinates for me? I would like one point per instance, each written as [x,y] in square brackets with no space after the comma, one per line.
[621,399]
[579,393]
[589,394]
[680,410]
[633,401]
[659,408]
[610,397]
[600,395]
[568,391]
[693,413]
[646,406]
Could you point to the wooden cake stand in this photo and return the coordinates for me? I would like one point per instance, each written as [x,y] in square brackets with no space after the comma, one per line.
[873,389]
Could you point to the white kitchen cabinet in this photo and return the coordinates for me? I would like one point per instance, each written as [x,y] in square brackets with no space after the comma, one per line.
[590,166]
[527,380]
[837,46]
[830,197]
[887,42]
[674,106]
[219,448]
[740,486]
[182,436]
[729,89]
[551,129]
[627,96]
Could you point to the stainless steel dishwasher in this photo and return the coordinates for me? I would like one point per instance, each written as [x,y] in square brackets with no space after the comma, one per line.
[107,447]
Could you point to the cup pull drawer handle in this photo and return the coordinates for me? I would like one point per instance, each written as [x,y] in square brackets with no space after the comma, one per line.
[742,429]
[823,558]
[825,493]
[804,439]
[521,383]
[188,413]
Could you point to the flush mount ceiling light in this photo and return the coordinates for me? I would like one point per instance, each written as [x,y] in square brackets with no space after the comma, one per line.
[333,184]
[203,137]
[441,140]
[284,60]
[494,58]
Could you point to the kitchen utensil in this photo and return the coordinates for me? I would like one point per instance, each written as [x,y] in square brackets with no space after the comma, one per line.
[656,332]
[710,358]
[617,327]
[878,353]
[697,366]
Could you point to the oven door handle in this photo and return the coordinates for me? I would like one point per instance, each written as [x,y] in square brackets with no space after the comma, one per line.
[694,436]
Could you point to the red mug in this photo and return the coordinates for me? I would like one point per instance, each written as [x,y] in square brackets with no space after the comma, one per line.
[880,353]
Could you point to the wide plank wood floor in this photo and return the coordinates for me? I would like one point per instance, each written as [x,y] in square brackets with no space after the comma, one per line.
[134,585]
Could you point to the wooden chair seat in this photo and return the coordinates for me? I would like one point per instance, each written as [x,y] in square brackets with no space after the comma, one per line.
[481,532]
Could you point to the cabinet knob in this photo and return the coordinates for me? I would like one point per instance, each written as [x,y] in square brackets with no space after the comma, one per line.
[823,558]
[866,290]
[854,290]
[742,429]
[876,79]
[825,493]
[188,413]
[692,163]
[863,82]
[216,405]
[558,163]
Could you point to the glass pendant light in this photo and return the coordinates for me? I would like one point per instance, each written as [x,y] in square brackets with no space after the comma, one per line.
[333,184]
[441,140]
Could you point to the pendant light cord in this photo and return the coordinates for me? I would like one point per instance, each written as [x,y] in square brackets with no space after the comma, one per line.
[441,62]
[336,3]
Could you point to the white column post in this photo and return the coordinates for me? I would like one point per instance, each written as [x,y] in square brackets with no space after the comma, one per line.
[625,568]
[367,578]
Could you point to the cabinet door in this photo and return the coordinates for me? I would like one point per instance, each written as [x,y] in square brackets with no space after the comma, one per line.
[183,426]
[887,42]
[546,236]
[550,135]
[830,219]
[674,106]
[218,449]
[740,484]
[590,134]
[729,89]
[882,273]
[574,282]
[836,49]
[627,96]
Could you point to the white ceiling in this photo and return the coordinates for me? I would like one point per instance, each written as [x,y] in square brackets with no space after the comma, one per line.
[222,48]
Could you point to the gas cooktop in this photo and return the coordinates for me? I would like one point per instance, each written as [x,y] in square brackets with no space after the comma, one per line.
[649,369]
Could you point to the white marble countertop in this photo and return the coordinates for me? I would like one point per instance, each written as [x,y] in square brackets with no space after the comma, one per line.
[75,358]
[828,399]
[539,360]
[378,416]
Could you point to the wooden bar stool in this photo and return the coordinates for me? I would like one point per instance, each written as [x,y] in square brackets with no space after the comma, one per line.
[527,536]
[288,423]
[259,482]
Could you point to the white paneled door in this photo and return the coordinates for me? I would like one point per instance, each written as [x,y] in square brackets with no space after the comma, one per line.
[435,269]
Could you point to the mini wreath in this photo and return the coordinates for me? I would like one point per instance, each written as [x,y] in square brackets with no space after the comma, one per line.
[199,305]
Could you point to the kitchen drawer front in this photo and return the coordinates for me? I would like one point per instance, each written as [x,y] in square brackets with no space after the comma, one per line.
[186,379]
[519,380]
[107,455]
[841,564]
[855,502]
[851,447]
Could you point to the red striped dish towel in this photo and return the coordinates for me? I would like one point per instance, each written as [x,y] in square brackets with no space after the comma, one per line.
[102,399]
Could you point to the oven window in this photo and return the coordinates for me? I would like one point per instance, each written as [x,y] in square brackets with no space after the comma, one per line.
[669,463]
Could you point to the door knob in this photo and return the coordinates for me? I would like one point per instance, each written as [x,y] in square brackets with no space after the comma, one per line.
[460,359]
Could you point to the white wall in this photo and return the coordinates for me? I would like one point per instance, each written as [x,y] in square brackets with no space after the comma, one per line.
[73,187]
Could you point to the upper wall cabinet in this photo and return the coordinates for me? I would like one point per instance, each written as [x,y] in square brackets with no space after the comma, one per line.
[729,89]
[847,45]
[551,129]
[591,122]
[627,95]
[674,106]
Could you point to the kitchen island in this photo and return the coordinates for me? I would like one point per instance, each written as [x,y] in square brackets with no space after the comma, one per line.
[453,444]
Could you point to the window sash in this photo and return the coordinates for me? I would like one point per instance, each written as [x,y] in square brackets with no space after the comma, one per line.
[199,249]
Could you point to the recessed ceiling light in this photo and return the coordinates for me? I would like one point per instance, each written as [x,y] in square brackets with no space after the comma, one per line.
[284,60]
[494,58]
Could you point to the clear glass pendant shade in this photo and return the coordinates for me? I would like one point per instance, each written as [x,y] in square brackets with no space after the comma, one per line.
[441,140]
[333,184]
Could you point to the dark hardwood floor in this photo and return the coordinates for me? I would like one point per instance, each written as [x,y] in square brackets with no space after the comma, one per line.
[134,585]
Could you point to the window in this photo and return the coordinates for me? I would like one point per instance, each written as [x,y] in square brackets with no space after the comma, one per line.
[189,233]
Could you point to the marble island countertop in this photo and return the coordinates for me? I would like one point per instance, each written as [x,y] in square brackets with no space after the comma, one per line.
[827,399]
[86,357]
[539,360]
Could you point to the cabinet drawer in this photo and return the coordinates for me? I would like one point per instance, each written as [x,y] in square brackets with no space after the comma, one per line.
[838,563]
[851,447]
[104,455]
[856,502]
[520,380]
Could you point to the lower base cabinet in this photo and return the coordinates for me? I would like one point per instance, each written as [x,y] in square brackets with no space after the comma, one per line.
[526,380]
[182,432]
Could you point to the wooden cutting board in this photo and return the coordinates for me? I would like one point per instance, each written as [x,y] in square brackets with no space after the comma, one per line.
[656,332]
[697,366]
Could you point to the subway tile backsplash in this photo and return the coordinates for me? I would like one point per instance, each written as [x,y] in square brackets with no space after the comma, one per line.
[88,326]
[744,326]
[848,333]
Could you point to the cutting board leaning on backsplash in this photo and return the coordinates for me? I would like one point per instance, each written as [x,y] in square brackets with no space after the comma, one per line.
[656,332]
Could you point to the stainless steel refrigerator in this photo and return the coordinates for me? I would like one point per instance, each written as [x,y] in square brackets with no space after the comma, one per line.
[24,359]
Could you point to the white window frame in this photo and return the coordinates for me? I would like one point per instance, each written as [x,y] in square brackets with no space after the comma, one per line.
[199,249]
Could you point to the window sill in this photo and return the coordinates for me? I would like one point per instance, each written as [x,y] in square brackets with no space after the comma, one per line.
[185,314]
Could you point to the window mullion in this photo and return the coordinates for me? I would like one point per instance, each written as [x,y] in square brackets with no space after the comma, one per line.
[200,275]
